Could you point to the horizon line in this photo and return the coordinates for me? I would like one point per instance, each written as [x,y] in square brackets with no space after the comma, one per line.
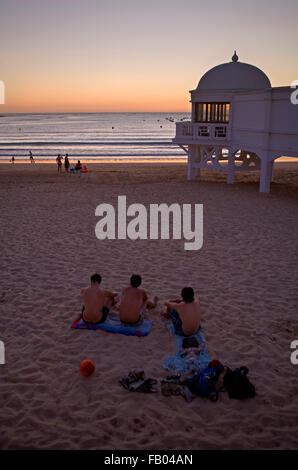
[90,112]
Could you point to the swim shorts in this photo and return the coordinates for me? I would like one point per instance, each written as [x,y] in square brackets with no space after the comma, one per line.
[177,322]
[105,313]
[139,321]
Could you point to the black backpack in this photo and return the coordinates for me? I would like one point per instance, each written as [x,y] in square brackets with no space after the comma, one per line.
[237,384]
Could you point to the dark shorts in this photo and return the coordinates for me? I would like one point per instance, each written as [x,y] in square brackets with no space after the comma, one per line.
[105,313]
[177,322]
[133,323]
[139,321]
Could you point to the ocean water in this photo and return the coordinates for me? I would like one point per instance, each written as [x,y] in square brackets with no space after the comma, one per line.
[91,136]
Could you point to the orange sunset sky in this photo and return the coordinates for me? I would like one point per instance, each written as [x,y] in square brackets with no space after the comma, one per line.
[135,55]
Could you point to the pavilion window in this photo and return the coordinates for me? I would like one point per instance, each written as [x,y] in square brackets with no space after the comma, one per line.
[220,131]
[204,112]
[212,112]
[187,130]
[204,131]
[227,112]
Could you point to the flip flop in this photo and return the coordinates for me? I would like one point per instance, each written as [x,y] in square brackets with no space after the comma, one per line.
[148,386]
[170,388]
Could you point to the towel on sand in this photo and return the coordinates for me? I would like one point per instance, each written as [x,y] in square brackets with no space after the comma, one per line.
[114,325]
[187,360]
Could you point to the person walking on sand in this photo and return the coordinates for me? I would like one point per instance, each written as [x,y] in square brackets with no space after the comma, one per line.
[184,312]
[96,302]
[12,160]
[31,157]
[134,302]
[59,163]
[66,163]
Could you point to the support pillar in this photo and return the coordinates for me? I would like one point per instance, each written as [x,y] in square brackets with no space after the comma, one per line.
[197,159]
[231,168]
[191,171]
[272,171]
[265,175]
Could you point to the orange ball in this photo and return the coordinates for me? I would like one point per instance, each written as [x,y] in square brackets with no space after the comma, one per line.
[87,367]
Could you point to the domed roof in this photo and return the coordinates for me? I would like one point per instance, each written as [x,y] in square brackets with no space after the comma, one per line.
[234,76]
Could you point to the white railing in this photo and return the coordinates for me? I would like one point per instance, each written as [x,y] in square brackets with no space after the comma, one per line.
[189,131]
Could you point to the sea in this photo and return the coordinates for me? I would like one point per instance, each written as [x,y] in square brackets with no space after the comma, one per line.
[90,136]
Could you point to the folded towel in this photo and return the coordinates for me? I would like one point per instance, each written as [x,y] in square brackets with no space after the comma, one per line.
[194,360]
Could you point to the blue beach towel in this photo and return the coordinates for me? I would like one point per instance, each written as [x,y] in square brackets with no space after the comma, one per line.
[114,325]
[192,363]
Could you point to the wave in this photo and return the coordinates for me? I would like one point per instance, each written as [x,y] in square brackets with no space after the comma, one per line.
[45,144]
[99,156]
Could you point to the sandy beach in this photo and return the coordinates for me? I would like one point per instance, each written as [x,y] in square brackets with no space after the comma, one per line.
[245,275]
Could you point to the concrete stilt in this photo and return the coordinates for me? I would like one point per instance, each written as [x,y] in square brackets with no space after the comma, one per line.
[272,171]
[191,171]
[231,168]
[265,175]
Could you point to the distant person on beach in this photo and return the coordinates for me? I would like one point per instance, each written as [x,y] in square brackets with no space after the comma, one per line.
[66,163]
[12,160]
[31,157]
[96,301]
[134,302]
[184,312]
[59,163]
[78,166]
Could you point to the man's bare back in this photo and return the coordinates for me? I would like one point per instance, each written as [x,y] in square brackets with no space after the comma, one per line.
[190,314]
[93,298]
[132,305]
[189,311]
[134,301]
[97,301]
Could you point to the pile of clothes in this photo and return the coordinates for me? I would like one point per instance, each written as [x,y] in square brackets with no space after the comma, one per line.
[206,383]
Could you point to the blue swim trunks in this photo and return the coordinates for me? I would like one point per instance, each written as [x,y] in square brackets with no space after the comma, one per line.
[177,322]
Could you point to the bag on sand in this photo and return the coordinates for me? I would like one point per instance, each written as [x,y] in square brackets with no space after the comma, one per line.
[237,384]
[204,383]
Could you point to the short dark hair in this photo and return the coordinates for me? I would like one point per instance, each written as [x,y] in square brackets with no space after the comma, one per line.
[135,280]
[96,278]
[187,294]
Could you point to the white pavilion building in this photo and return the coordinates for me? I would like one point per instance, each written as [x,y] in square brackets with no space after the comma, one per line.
[239,123]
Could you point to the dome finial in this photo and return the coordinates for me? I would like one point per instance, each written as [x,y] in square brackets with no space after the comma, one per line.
[235,57]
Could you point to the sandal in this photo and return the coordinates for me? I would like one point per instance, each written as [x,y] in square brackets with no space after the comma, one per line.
[147,386]
[170,388]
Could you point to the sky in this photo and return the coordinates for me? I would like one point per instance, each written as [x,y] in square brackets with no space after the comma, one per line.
[135,55]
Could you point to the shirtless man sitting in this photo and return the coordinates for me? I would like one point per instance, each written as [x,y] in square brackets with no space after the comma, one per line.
[184,312]
[134,302]
[97,302]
